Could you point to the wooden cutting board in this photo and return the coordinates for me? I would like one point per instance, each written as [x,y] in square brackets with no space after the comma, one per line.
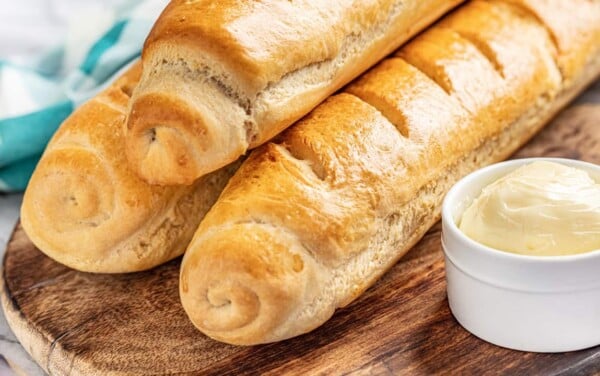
[78,323]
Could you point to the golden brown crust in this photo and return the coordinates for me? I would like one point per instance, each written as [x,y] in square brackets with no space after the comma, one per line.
[276,271]
[354,184]
[244,71]
[249,36]
[573,26]
[86,209]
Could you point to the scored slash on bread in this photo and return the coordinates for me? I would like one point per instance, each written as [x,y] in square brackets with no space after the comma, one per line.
[314,218]
[222,77]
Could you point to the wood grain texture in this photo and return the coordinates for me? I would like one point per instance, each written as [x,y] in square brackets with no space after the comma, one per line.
[78,323]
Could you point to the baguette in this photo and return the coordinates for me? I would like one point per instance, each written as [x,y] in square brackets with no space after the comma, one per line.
[85,209]
[311,220]
[222,77]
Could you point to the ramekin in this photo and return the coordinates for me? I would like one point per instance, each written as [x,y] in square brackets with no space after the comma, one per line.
[529,303]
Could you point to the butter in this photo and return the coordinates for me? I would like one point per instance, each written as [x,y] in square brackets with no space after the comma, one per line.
[541,209]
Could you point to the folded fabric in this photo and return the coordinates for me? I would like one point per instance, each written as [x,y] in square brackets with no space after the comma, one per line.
[38,91]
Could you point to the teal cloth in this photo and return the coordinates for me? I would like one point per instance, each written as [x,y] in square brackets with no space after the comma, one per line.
[42,94]
[25,136]
[14,177]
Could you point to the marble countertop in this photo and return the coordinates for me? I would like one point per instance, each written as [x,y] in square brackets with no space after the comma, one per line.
[14,360]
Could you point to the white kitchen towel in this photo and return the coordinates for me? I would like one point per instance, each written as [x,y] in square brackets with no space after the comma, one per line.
[54,55]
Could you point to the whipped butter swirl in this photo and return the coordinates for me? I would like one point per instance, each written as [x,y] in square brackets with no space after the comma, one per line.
[541,209]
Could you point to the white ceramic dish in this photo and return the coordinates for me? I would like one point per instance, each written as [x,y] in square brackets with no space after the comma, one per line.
[529,303]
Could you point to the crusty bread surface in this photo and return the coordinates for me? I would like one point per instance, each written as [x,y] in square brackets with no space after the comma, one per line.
[313,218]
[86,209]
[222,77]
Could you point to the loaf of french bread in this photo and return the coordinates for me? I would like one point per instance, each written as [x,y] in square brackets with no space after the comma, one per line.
[86,209]
[220,77]
[313,218]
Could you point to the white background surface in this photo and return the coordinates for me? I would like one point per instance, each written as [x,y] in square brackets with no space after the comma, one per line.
[29,26]
[10,348]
